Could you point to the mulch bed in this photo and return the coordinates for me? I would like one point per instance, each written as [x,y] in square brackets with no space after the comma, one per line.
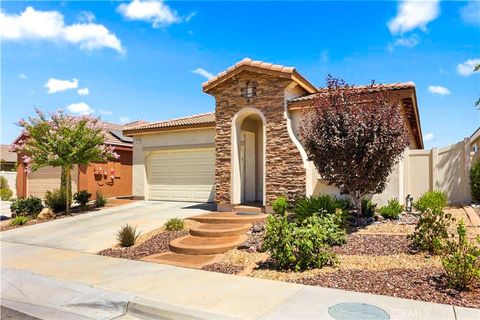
[374,245]
[425,284]
[157,244]
[227,268]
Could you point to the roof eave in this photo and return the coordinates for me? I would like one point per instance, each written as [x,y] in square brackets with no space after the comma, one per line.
[134,132]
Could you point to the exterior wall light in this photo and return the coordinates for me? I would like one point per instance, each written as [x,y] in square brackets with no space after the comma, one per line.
[408,203]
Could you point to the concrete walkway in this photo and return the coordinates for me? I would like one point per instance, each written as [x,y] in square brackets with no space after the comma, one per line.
[62,284]
[95,231]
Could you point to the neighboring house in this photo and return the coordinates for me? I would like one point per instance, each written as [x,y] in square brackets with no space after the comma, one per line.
[248,150]
[112,179]
[475,144]
[8,159]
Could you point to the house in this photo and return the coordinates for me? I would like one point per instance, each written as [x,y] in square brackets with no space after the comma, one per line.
[112,179]
[248,150]
[8,159]
[475,144]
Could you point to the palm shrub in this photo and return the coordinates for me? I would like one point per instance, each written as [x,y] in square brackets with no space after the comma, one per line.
[475,180]
[461,259]
[431,230]
[82,197]
[317,205]
[435,200]
[100,199]
[392,210]
[30,206]
[175,224]
[56,200]
[127,236]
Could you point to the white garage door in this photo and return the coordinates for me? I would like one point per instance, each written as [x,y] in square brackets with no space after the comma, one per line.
[46,179]
[181,175]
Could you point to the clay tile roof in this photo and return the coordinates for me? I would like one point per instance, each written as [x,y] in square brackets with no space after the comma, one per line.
[247,62]
[387,86]
[198,119]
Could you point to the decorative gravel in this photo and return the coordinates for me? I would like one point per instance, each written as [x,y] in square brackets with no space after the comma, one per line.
[255,239]
[374,244]
[426,284]
[157,244]
[223,267]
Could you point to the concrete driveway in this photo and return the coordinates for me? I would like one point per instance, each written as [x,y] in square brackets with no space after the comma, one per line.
[95,231]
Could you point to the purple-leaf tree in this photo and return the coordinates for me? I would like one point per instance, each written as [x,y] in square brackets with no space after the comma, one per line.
[62,140]
[354,136]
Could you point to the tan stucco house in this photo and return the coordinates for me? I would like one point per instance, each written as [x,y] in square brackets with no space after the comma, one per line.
[248,150]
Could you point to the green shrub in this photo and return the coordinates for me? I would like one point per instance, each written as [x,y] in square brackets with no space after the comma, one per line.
[461,259]
[316,205]
[19,221]
[4,183]
[100,200]
[127,236]
[280,206]
[392,210]
[175,224]
[303,245]
[431,230]
[368,208]
[5,194]
[82,197]
[30,206]
[435,200]
[475,180]
[56,200]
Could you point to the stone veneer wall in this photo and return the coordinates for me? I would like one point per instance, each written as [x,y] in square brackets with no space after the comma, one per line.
[285,172]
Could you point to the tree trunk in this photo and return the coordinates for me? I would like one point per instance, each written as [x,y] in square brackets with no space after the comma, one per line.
[357,199]
[68,186]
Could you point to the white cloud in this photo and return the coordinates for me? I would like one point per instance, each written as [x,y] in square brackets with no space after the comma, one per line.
[22,76]
[466,68]
[471,12]
[83,91]
[105,112]
[154,11]
[80,108]
[413,14]
[439,90]
[86,16]
[203,73]
[55,85]
[49,25]
[124,120]
[408,42]
[428,137]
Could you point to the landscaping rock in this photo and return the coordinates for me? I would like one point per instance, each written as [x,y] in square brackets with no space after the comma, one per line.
[257,228]
[46,214]
[379,218]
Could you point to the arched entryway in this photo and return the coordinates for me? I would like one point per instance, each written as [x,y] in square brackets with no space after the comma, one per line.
[248,157]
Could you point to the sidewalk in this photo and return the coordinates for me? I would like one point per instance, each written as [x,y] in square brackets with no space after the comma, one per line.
[87,286]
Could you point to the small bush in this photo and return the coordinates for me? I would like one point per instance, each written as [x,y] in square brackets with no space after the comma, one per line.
[56,200]
[19,221]
[392,210]
[82,197]
[5,194]
[435,200]
[475,180]
[303,245]
[368,208]
[4,183]
[100,200]
[30,206]
[315,205]
[431,230]
[280,206]
[175,224]
[127,236]
[461,259]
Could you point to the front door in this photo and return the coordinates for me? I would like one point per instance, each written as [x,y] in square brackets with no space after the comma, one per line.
[247,165]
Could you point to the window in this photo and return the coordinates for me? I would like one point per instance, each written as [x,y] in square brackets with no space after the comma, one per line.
[250,89]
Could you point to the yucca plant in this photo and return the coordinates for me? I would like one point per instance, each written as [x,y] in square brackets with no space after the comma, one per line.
[127,236]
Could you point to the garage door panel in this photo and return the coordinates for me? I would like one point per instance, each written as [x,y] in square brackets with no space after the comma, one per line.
[182,175]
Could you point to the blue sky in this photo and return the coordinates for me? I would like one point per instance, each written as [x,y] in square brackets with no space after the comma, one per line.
[147,60]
